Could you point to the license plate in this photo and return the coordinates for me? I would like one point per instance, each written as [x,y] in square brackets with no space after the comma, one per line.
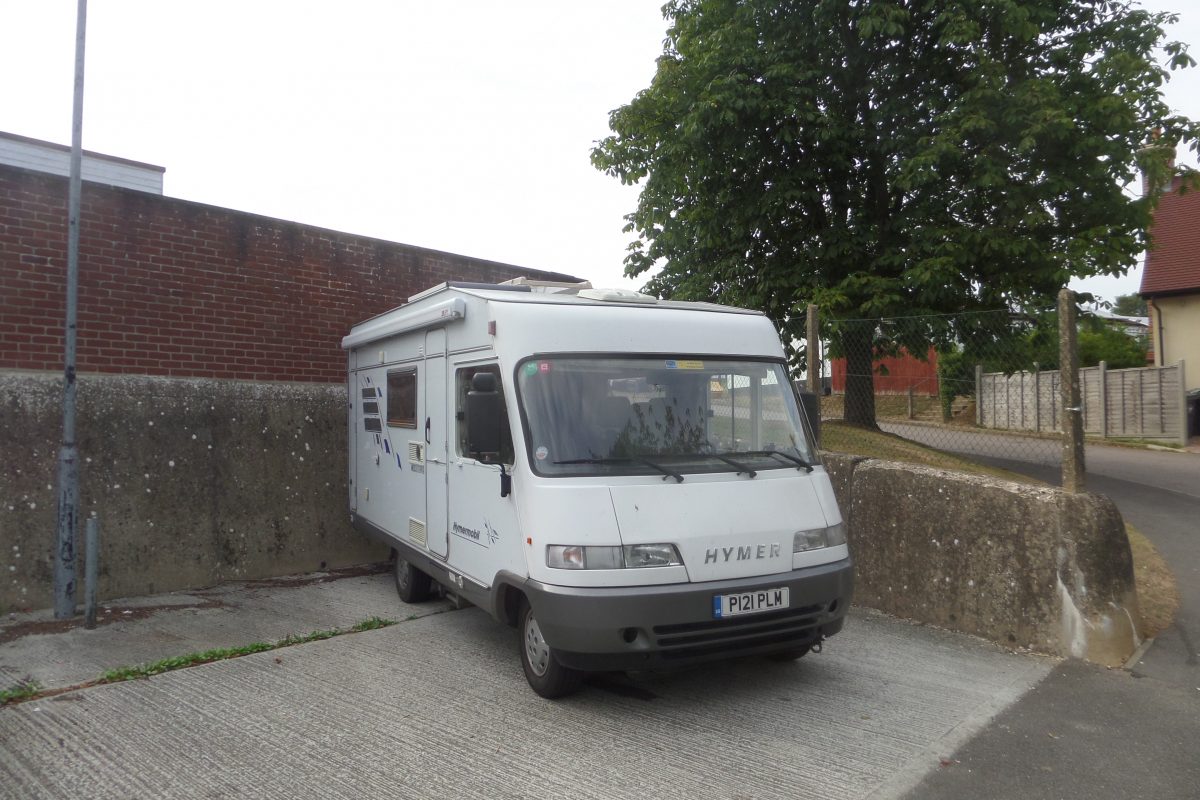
[730,605]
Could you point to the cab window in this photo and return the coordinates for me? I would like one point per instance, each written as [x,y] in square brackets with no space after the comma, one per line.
[462,385]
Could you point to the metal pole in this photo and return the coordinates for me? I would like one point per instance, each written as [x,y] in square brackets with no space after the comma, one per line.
[68,458]
[91,572]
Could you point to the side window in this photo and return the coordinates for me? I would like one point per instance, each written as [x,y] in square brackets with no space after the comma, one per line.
[402,399]
[462,385]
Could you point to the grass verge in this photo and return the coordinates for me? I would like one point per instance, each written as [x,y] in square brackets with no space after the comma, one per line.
[1158,594]
[838,437]
[29,690]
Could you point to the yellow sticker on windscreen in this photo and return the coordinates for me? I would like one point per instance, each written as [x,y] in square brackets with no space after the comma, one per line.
[685,365]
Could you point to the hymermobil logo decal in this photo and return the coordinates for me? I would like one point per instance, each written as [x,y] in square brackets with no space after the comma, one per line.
[488,536]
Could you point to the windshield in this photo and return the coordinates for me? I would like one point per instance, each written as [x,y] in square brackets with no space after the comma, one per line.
[656,415]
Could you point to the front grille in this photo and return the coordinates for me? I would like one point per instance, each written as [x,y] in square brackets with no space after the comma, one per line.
[693,639]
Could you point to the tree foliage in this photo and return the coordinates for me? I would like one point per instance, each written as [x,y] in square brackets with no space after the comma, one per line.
[1130,305]
[888,158]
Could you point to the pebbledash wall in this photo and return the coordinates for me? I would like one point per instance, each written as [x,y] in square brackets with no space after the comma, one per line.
[211,394]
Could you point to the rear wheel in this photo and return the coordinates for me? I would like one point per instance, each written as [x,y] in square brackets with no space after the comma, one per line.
[546,676]
[412,585]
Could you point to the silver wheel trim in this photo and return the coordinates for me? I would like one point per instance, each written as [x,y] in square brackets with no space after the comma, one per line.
[402,573]
[537,652]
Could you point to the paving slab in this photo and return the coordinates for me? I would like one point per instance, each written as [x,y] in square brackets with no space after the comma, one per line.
[147,629]
[437,707]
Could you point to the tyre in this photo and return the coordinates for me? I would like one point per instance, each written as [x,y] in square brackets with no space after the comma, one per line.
[412,585]
[795,654]
[546,676]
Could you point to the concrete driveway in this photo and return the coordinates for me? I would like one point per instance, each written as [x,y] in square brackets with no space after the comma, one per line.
[437,707]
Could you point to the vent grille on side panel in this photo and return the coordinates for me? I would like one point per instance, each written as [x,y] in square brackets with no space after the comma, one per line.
[416,531]
[416,452]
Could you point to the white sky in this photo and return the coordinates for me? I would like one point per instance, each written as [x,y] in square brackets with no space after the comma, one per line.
[462,126]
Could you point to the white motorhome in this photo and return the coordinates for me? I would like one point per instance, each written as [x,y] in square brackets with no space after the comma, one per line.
[628,481]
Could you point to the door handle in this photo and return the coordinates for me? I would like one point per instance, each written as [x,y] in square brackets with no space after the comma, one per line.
[427,423]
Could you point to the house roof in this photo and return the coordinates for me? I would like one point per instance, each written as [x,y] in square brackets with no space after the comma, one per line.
[1173,261]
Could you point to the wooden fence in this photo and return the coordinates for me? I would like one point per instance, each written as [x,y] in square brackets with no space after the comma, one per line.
[1140,403]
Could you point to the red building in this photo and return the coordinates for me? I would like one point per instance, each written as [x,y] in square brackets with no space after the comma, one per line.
[895,374]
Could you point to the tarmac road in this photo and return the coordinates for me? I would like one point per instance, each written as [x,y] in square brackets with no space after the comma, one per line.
[1086,732]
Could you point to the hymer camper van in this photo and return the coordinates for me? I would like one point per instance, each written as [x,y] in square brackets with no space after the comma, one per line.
[628,481]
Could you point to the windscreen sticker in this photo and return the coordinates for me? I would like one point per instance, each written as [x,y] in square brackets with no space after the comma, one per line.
[531,369]
[541,453]
[672,364]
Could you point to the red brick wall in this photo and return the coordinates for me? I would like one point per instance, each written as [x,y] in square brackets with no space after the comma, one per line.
[170,287]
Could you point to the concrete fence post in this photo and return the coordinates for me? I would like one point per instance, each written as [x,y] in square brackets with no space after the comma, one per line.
[1037,396]
[813,345]
[1073,470]
[1183,404]
[1103,371]
[979,395]
[912,414]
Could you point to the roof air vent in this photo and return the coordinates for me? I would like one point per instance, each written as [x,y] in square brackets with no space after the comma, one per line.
[617,296]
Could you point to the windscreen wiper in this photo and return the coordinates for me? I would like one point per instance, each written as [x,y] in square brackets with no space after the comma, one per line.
[667,473]
[739,466]
[799,462]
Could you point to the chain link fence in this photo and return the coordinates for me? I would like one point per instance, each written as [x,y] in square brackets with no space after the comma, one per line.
[940,381]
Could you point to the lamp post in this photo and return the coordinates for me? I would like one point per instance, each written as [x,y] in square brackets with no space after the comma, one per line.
[68,455]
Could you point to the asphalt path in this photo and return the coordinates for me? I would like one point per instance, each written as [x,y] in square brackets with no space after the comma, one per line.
[1086,732]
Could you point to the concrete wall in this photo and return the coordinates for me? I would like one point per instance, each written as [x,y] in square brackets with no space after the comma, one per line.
[1026,566]
[194,481]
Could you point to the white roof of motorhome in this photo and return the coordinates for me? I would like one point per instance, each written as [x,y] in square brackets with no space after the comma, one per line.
[444,303]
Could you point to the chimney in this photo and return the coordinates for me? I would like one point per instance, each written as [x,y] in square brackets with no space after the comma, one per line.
[1149,152]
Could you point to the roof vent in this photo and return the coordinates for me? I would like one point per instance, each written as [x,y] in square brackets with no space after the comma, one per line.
[548,287]
[617,296]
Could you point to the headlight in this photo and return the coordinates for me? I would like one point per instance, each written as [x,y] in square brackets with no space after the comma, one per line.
[819,537]
[573,556]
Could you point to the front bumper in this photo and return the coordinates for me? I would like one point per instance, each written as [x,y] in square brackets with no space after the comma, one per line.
[657,627]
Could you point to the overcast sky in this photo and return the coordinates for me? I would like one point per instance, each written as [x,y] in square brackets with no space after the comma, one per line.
[460,126]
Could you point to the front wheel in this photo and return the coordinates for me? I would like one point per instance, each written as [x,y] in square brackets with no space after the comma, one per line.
[546,676]
[412,585]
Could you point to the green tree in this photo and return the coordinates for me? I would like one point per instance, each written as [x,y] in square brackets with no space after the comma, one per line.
[889,158]
[1130,305]
[1099,341]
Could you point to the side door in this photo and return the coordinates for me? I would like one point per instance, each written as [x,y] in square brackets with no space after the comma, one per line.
[437,432]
